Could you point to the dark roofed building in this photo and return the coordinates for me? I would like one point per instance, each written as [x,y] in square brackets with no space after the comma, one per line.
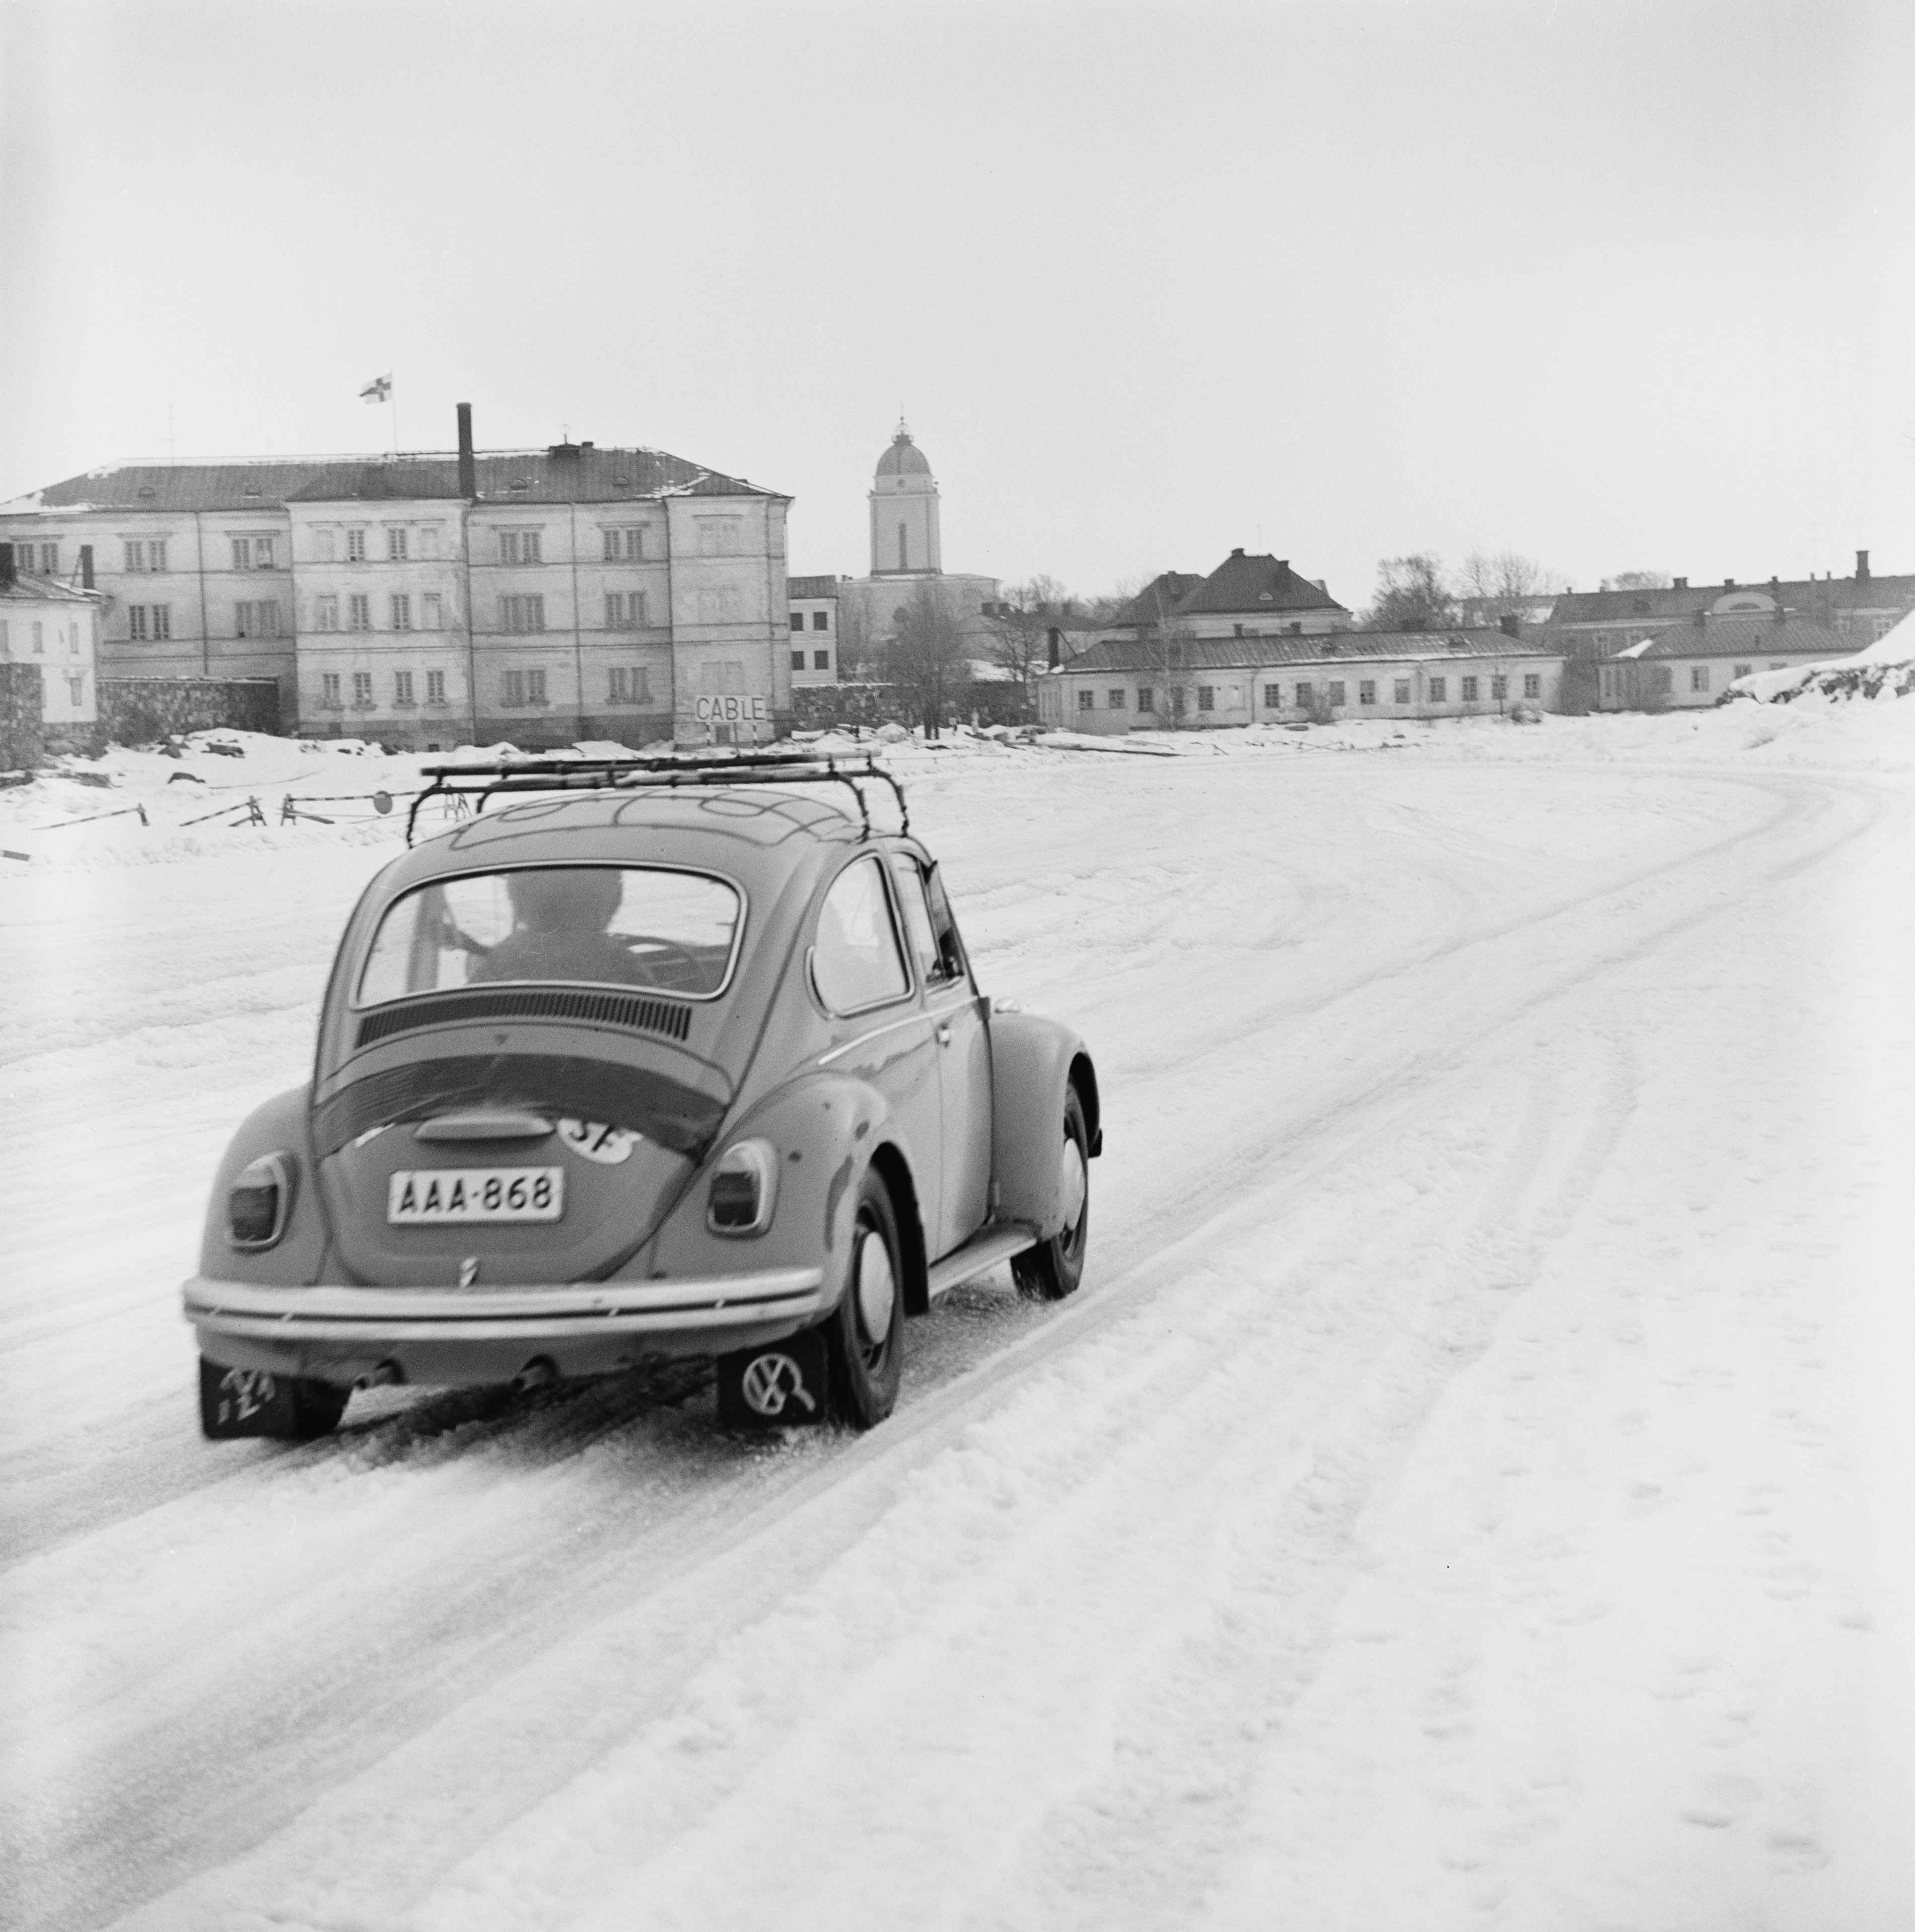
[1252,591]
[1592,625]
[1157,602]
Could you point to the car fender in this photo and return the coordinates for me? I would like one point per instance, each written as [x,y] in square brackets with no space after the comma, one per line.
[298,1259]
[1032,1060]
[828,1129]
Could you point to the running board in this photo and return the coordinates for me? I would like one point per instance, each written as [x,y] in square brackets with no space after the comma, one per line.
[985,1248]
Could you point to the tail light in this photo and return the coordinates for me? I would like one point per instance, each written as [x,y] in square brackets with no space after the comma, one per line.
[259,1201]
[745,1189]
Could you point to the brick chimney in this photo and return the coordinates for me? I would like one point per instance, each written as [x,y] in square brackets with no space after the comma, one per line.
[1682,584]
[1862,566]
[468,462]
[1511,624]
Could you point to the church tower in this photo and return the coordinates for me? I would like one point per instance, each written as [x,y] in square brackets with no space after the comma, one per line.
[904,533]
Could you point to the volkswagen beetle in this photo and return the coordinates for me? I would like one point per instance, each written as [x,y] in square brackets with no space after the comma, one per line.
[646,1060]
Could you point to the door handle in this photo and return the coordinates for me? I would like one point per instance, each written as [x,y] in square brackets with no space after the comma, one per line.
[943,1033]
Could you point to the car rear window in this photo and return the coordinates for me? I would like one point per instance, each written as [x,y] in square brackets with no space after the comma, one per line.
[591,925]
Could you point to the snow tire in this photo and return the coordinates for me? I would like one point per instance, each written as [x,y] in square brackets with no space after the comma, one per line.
[1053,1269]
[864,1335]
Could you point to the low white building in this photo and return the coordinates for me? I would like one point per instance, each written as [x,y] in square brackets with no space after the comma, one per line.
[1690,665]
[55,627]
[1151,683]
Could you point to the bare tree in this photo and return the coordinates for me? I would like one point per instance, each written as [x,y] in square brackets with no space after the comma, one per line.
[1018,643]
[1504,577]
[1104,608]
[928,657]
[1038,593]
[856,647]
[1412,594]
[1637,580]
[1165,645]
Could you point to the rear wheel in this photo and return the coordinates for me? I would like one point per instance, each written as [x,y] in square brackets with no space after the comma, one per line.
[1053,1269]
[865,1335]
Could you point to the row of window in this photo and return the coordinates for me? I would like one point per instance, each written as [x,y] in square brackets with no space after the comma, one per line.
[259,617]
[623,543]
[820,660]
[403,690]
[625,684]
[145,555]
[1335,692]
[39,635]
[820,620]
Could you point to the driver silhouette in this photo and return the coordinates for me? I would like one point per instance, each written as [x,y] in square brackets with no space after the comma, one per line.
[558,922]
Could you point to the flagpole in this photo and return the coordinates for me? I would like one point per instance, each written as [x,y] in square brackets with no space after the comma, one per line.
[392,404]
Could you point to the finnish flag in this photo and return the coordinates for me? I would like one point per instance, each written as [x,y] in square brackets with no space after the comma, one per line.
[377,390]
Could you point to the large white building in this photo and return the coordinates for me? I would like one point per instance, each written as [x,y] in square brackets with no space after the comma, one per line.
[540,596]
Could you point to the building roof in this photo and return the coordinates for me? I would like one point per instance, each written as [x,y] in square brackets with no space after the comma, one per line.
[579,473]
[1811,596]
[1164,592]
[1327,649]
[29,587]
[811,586]
[903,458]
[1747,638]
[1245,585]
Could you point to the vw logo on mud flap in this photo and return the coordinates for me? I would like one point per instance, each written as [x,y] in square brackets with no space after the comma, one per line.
[243,1392]
[771,1381]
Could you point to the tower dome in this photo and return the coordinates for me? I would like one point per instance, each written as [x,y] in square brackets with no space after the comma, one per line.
[905,539]
[903,458]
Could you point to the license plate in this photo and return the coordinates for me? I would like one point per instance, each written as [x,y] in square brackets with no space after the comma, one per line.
[430,1196]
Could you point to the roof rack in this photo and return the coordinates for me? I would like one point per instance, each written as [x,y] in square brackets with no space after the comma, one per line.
[675,772]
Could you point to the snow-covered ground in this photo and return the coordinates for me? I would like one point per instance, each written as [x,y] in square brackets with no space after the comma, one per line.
[1472,1489]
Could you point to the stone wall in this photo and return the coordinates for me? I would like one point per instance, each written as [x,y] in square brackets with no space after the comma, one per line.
[823,707]
[134,710]
[22,742]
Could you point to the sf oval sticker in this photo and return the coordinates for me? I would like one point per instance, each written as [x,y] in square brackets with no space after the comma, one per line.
[607,1145]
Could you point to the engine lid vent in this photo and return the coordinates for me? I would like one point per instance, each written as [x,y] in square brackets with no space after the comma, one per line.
[545,1003]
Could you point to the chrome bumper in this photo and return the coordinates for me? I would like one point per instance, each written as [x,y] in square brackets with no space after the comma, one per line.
[380,1317]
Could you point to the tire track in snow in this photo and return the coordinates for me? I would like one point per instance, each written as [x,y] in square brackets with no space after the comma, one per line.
[674,1552]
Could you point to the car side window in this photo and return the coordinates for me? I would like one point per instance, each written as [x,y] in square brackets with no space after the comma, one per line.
[855,961]
[944,929]
[909,877]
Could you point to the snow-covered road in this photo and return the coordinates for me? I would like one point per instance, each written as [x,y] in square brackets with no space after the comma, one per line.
[1471,1488]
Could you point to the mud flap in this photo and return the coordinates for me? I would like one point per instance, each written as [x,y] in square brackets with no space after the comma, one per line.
[245,1402]
[780,1385]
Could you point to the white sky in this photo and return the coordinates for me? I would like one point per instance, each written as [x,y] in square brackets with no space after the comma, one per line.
[1619,286]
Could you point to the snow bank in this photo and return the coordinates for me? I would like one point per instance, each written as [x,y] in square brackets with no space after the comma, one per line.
[1885,669]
